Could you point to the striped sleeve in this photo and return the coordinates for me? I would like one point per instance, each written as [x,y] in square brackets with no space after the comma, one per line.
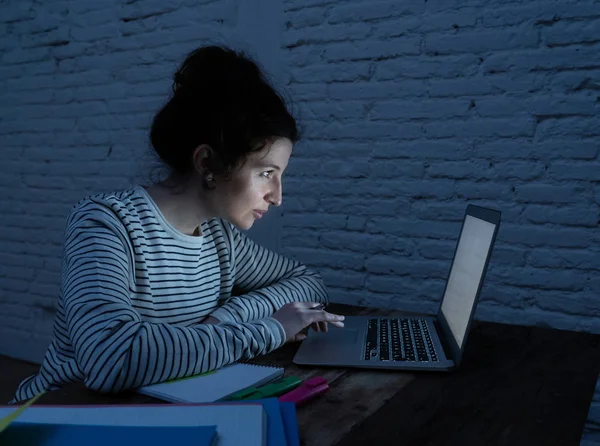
[266,281]
[115,349]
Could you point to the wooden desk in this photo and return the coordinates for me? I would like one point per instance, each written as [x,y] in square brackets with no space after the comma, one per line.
[516,386]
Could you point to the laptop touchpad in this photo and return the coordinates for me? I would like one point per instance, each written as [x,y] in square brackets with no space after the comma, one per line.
[339,336]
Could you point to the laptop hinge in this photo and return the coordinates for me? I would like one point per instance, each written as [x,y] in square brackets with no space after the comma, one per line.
[442,338]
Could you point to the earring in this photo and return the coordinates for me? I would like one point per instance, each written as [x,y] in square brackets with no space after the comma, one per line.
[209,181]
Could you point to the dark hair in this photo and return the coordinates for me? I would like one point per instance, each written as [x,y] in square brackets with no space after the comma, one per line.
[221,99]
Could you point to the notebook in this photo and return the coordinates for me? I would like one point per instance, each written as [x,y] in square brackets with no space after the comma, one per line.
[290,423]
[215,385]
[43,434]
[275,426]
[235,423]
[282,424]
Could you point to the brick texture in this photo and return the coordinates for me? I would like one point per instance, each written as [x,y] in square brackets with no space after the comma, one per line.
[412,111]
[79,84]
[409,111]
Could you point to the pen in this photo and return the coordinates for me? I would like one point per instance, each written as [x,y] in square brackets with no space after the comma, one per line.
[310,389]
[274,389]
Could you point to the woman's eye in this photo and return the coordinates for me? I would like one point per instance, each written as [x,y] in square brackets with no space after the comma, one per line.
[266,174]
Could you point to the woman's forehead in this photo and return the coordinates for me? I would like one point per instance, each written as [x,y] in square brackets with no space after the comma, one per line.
[277,153]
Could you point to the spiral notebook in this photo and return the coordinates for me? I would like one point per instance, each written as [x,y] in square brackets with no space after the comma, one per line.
[213,386]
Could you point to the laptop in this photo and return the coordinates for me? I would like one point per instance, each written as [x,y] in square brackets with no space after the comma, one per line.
[416,343]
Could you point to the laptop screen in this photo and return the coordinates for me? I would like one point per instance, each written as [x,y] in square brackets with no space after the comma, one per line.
[466,273]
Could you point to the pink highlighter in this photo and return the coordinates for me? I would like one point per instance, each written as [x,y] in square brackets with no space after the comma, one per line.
[309,389]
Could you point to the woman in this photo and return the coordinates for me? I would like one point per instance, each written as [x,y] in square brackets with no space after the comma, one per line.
[159,283]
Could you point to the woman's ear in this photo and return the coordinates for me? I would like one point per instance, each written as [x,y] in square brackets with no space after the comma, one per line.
[202,157]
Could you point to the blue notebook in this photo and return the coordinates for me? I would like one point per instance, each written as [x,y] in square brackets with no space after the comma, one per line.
[290,423]
[282,424]
[275,428]
[235,423]
[41,434]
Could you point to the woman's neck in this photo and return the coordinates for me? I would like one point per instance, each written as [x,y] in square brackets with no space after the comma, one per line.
[181,206]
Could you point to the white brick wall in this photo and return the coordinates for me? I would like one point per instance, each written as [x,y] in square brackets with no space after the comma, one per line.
[410,110]
[414,108]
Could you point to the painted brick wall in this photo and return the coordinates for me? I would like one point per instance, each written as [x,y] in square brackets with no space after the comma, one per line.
[410,110]
[413,109]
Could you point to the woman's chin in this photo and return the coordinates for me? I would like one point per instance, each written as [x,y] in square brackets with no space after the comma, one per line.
[243,223]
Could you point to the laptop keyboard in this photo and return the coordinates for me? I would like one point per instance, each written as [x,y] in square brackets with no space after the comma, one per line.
[399,340]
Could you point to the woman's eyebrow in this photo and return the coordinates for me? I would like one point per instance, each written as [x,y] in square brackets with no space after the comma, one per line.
[273,166]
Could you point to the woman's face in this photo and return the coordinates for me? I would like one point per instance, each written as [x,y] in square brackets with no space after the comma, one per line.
[254,187]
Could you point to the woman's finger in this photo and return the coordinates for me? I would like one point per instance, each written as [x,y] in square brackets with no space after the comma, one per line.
[299,337]
[320,326]
[331,317]
[338,324]
[309,305]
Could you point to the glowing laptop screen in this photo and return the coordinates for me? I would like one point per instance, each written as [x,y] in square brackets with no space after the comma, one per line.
[466,274]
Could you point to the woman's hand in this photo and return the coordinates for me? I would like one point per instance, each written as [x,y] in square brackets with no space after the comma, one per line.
[297,316]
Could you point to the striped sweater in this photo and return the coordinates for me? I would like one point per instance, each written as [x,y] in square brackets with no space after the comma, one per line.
[134,290]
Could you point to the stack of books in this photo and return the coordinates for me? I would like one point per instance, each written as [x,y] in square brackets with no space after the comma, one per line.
[253,423]
[209,409]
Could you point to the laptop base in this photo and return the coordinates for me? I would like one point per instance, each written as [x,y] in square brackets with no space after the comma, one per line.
[345,347]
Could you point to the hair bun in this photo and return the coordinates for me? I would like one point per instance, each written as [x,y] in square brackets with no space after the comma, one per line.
[214,66]
[221,99]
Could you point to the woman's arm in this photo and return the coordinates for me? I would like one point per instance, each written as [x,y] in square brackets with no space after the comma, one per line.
[266,281]
[114,347]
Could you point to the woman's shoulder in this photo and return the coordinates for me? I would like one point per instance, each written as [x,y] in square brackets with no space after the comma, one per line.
[117,205]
